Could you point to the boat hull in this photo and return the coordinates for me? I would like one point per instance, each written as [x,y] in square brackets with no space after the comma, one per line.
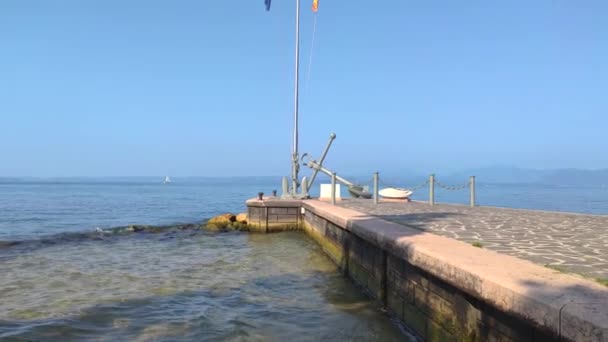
[395,193]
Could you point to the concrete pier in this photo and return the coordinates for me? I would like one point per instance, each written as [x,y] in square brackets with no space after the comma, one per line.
[567,242]
[273,214]
[442,288]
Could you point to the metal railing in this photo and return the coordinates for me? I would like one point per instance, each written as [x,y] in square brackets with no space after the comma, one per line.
[432,183]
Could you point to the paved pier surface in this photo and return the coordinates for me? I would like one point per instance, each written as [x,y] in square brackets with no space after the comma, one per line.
[568,242]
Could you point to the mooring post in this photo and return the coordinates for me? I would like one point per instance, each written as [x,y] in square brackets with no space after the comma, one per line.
[304,187]
[285,187]
[432,189]
[472,189]
[376,187]
[333,188]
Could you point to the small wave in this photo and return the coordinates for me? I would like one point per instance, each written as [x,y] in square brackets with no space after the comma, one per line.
[96,234]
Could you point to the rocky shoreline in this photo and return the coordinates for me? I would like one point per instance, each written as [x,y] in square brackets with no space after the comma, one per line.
[228,222]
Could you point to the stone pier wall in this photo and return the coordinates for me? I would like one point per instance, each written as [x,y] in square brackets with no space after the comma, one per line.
[273,215]
[443,289]
[433,309]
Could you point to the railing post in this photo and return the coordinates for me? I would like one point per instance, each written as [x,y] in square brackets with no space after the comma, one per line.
[376,187]
[333,188]
[304,187]
[285,187]
[472,189]
[432,189]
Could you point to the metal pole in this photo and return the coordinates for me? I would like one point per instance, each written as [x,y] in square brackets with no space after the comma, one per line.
[294,157]
[316,166]
[333,188]
[376,187]
[472,189]
[432,189]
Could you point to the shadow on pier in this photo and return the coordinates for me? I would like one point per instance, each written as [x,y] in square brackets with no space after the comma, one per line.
[419,221]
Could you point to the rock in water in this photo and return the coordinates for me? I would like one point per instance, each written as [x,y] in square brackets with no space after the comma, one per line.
[241,218]
[221,221]
[136,228]
[227,222]
[230,217]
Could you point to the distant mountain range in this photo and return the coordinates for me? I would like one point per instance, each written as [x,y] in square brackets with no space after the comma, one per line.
[566,177]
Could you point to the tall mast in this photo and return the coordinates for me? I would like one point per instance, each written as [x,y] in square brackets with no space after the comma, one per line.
[294,157]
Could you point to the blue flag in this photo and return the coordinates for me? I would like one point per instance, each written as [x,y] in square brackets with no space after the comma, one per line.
[267,3]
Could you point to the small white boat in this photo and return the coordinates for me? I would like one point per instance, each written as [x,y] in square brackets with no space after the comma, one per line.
[167,180]
[395,193]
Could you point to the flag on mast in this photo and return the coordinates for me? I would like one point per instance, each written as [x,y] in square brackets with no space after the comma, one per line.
[267,3]
[315,5]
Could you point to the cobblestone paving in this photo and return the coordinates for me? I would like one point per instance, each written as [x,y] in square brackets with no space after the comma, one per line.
[568,242]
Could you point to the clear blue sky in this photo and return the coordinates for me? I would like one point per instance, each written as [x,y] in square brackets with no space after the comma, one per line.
[108,87]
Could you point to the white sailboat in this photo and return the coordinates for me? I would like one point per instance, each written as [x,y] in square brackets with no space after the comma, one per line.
[167,180]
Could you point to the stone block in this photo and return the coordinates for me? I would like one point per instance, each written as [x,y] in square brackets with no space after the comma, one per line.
[437,333]
[358,273]
[394,303]
[504,327]
[333,232]
[379,267]
[277,211]
[281,226]
[415,275]
[403,287]
[414,319]
[326,191]
[287,218]
[394,267]
[375,287]
[432,304]
[256,214]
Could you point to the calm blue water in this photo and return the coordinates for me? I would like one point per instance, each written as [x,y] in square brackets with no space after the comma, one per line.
[69,272]
[31,208]
[62,279]
[529,196]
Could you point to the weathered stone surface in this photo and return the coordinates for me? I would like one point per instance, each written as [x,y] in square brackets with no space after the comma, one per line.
[334,251]
[273,214]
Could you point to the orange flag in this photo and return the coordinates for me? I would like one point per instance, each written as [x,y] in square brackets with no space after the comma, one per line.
[315,5]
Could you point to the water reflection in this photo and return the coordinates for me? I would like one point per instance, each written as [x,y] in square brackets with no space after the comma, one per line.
[184,286]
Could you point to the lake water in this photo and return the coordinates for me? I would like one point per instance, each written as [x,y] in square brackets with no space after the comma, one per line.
[69,270]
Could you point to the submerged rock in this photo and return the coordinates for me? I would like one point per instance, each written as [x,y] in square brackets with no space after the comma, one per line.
[136,228]
[160,229]
[241,218]
[226,222]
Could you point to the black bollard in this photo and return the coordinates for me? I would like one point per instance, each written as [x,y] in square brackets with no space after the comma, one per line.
[260,196]
[274,193]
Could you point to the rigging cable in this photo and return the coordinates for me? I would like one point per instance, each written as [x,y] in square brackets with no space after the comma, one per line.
[312,46]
